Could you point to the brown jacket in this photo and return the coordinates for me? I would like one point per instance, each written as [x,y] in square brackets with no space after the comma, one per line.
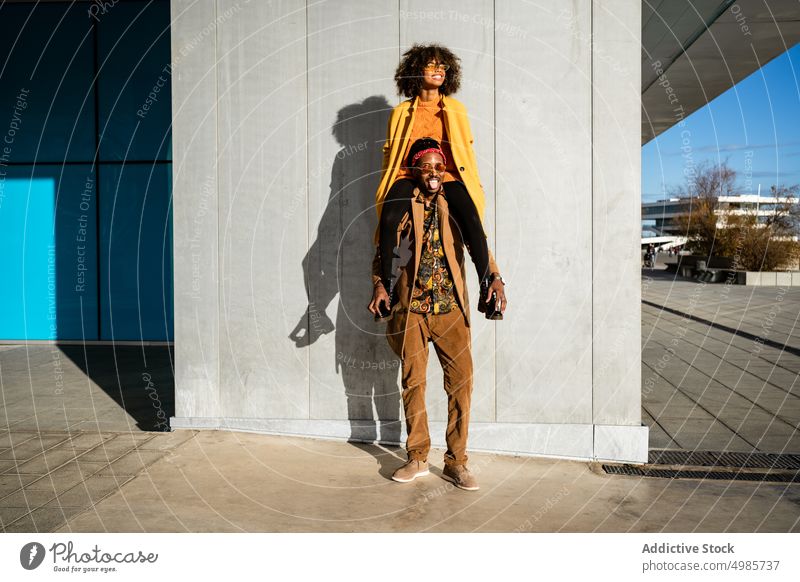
[409,234]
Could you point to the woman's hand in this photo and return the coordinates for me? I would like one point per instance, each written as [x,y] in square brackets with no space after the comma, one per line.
[498,289]
[378,295]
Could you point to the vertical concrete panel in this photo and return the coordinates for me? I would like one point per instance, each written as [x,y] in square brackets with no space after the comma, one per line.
[263,206]
[352,55]
[616,204]
[273,215]
[544,214]
[194,151]
[466,28]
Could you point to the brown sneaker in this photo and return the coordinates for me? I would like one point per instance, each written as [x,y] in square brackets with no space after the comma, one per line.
[461,477]
[410,471]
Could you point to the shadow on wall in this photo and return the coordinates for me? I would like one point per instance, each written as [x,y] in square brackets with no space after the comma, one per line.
[340,262]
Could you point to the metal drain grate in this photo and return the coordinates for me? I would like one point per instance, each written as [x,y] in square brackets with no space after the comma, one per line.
[721,459]
[689,474]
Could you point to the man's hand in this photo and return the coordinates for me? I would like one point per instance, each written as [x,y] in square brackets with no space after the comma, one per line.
[378,296]
[498,289]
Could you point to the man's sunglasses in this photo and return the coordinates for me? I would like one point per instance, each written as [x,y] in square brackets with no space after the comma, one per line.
[427,168]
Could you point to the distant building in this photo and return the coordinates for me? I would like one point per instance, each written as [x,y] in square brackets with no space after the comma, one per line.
[659,224]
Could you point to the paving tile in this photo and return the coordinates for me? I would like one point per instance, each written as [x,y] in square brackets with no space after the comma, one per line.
[44,483]
[46,462]
[121,420]
[788,410]
[14,418]
[106,453]
[772,435]
[10,454]
[134,439]
[668,397]
[714,441]
[26,422]
[89,521]
[700,434]
[692,425]
[788,401]
[112,520]
[47,439]
[87,440]
[10,514]
[658,439]
[779,444]
[30,499]
[6,466]
[88,468]
[12,481]
[61,479]
[60,425]
[132,463]
[89,492]
[29,449]
[674,413]
[737,415]
[44,519]
[167,440]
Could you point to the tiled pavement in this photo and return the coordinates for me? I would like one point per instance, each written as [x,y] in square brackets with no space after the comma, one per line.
[73,424]
[720,365]
[223,481]
[91,388]
[719,371]
[48,477]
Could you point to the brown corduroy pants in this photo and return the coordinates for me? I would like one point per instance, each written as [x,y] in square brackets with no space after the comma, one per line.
[451,340]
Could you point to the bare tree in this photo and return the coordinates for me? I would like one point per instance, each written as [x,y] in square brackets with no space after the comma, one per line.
[753,240]
[699,223]
[766,242]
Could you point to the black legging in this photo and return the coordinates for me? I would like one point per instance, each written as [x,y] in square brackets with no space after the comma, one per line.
[398,202]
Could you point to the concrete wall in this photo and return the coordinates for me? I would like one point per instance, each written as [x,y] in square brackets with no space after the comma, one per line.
[280,112]
[769,278]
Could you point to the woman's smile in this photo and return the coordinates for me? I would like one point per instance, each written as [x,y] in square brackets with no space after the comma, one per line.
[433,75]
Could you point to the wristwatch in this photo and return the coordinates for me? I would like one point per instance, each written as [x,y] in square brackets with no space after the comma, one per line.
[496,276]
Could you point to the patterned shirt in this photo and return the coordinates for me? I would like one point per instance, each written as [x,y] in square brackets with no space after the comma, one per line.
[433,289]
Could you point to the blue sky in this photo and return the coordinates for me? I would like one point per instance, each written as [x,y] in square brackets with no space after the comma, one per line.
[755,123]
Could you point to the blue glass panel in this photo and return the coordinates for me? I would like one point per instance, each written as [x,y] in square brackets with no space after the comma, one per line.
[49,259]
[135,97]
[47,97]
[136,252]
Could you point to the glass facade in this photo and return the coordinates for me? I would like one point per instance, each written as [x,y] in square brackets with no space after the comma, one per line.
[85,171]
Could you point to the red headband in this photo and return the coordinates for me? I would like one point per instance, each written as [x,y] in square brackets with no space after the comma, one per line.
[419,154]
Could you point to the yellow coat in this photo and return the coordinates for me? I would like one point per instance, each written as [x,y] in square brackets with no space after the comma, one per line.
[457,129]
